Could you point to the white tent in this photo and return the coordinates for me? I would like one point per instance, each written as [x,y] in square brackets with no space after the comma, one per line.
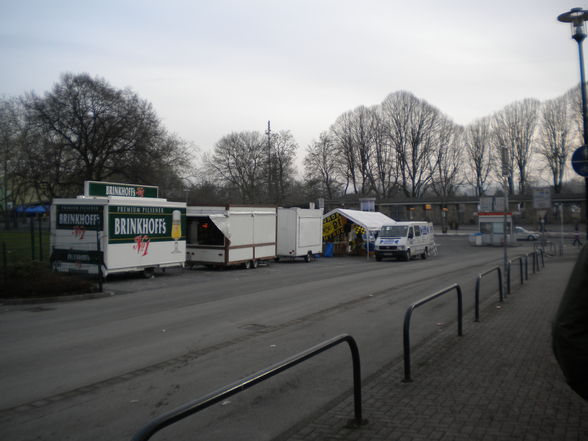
[370,220]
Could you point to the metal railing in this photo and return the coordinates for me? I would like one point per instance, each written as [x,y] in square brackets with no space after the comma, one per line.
[478,281]
[202,403]
[522,271]
[408,315]
[535,254]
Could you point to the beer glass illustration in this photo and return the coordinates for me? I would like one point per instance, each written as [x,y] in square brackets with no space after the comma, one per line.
[176,231]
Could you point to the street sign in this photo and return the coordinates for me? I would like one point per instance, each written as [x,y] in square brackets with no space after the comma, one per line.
[542,198]
[580,161]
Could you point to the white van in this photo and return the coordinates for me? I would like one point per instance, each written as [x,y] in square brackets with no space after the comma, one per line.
[405,240]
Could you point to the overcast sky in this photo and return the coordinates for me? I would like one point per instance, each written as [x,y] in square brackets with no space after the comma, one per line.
[212,67]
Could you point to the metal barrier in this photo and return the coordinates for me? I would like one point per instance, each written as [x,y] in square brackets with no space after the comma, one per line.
[479,279]
[536,266]
[520,259]
[202,403]
[408,315]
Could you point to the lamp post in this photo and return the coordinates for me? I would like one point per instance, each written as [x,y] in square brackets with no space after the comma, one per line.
[576,17]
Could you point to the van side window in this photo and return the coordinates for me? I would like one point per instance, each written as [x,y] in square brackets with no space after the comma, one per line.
[417,231]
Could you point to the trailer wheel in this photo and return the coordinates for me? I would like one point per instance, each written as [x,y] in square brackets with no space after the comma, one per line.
[308,257]
[247,264]
[254,263]
[149,273]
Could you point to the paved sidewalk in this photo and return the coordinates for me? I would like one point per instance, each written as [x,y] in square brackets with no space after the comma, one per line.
[499,382]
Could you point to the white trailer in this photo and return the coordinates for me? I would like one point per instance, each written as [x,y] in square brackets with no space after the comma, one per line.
[230,235]
[300,233]
[110,234]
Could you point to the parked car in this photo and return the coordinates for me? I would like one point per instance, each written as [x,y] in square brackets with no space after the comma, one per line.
[524,234]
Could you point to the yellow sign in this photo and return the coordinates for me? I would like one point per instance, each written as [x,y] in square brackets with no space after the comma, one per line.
[333,226]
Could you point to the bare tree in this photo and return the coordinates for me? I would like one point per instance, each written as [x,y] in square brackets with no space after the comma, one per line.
[555,140]
[240,160]
[478,144]
[13,186]
[515,127]
[574,97]
[283,154]
[353,136]
[321,166]
[84,129]
[448,163]
[384,173]
[413,126]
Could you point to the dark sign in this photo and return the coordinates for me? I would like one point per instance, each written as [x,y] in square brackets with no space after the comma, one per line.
[580,161]
[70,217]
[94,188]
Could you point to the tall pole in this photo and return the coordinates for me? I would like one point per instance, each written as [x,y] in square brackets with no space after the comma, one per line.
[579,37]
[269,161]
[505,176]
[577,18]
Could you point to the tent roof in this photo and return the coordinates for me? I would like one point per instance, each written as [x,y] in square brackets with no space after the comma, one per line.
[371,220]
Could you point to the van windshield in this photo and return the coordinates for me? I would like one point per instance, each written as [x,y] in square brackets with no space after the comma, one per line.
[394,231]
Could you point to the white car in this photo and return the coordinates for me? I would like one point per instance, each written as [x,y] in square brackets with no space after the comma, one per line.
[524,234]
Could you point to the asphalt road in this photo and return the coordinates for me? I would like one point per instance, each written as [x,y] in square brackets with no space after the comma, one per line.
[101,369]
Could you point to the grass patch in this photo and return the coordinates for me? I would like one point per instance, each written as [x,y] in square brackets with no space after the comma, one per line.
[20,248]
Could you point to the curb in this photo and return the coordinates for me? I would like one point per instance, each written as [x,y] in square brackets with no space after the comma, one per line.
[56,299]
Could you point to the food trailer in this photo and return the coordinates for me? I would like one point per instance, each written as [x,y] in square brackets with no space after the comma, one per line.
[230,235]
[300,233]
[117,228]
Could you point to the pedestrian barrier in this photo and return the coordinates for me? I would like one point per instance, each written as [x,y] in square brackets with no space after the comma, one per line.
[408,315]
[535,254]
[520,259]
[202,403]
[478,281]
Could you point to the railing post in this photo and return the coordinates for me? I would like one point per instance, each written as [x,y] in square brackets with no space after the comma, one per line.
[356,381]
[526,267]
[521,268]
[500,287]
[477,294]
[477,299]
[193,407]
[459,310]
[406,343]
[508,277]
[408,316]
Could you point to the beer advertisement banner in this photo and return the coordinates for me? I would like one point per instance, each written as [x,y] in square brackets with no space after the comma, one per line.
[95,188]
[79,217]
[128,224]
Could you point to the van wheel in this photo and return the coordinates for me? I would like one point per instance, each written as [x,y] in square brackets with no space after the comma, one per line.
[378,257]
[254,263]
[407,255]
[425,254]
[308,257]
[149,273]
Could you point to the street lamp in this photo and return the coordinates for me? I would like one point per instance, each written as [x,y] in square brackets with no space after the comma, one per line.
[576,17]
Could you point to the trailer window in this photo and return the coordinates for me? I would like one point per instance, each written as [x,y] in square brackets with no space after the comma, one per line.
[202,231]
